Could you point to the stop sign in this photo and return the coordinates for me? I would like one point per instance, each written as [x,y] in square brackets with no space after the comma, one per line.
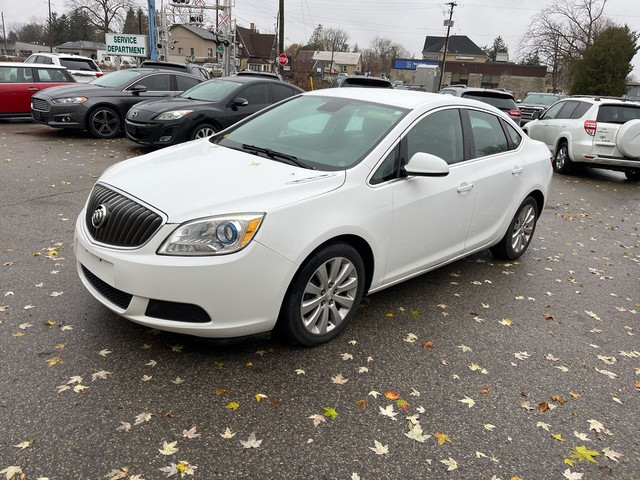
[282,60]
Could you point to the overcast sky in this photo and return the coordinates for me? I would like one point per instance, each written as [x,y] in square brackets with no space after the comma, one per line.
[406,22]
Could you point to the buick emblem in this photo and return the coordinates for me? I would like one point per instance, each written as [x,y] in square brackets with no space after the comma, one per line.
[99,216]
[134,114]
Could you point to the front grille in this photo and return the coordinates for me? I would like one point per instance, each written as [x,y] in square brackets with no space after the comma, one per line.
[178,312]
[40,105]
[115,296]
[128,224]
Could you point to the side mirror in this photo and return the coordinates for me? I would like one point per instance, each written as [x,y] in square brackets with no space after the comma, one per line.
[240,102]
[426,165]
[138,89]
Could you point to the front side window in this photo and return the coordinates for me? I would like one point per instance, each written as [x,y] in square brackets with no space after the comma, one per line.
[488,135]
[439,134]
[553,112]
[156,83]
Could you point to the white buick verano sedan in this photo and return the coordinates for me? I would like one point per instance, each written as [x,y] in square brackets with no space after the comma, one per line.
[285,220]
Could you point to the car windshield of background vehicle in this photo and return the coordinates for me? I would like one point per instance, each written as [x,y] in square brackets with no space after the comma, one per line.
[325,133]
[116,79]
[541,99]
[211,91]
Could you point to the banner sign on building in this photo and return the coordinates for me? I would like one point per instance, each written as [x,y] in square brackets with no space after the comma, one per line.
[125,44]
[410,64]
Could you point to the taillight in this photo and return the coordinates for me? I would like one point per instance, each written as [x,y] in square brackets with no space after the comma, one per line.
[590,127]
[99,74]
[515,113]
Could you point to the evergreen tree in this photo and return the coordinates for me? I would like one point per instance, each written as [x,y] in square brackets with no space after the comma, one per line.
[130,22]
[605,65]
[499,46]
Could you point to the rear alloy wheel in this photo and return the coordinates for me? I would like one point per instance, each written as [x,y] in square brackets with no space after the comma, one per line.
[203,131]
[104,122]
[562,163]
[323,296]
[632,175]
[518,236]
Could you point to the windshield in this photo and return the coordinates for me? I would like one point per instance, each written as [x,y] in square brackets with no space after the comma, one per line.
[538,99]
[116,79]
[324,133]
[211,91]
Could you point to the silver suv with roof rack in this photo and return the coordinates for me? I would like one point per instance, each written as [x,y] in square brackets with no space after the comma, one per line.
[601,132]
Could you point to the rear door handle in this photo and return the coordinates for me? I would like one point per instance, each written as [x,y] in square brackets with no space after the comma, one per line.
[465,187]
[517,170]
[33,89]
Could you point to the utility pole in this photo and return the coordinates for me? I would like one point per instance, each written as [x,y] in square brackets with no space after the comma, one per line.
[281,36]
[448,24]
[4,36]
[50,30]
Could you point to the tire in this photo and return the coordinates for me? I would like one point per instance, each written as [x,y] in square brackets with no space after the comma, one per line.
[104,122]
[520,232]
[203,130]
[323,296]
[632,175]
[562,163]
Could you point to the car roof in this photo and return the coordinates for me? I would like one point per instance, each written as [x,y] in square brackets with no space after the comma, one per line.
[29,65]
[408,99]
[62,54]
[250,79]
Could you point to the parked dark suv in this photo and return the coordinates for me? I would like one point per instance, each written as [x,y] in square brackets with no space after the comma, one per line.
[536,102]
[501,99]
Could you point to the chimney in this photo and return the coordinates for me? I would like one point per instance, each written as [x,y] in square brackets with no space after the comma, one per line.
[253,27]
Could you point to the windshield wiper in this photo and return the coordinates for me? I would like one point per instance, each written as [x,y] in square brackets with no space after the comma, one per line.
[272,154]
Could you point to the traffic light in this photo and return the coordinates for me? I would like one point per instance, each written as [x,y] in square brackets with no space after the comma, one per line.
[184,2]
[196,18]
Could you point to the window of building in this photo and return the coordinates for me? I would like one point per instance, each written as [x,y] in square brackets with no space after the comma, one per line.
[180,51]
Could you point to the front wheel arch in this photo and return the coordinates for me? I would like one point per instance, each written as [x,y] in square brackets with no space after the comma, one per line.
[290,324]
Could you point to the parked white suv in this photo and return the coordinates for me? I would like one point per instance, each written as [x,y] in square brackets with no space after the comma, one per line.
[83,69]
[591,131]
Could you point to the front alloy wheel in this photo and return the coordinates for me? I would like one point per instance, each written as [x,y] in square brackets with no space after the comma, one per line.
[562,163]
[324,295]
[520,232]
[203,131]
[104,123]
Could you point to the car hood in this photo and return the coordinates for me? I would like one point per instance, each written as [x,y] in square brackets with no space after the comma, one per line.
[198,179]
[153,107]
[79,88]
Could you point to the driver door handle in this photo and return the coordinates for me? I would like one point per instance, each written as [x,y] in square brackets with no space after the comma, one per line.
[465,188]
[517,170]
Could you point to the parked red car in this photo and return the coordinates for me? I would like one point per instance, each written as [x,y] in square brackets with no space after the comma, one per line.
[19,81]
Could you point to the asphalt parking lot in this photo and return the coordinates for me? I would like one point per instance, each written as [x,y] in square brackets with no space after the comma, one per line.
[479,370]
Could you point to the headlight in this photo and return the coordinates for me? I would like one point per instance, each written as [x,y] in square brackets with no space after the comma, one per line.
[173,115]
[212,236]
[70,100]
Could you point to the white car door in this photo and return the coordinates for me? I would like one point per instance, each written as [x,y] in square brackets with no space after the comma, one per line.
[501,174]
[431,215]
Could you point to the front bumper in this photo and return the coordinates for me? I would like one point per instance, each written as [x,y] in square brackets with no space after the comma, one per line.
[155,133]
[59,116]
[219,297]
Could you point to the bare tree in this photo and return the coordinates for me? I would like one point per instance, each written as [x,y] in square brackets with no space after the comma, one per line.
[385,51]
[106,15]
[561,33]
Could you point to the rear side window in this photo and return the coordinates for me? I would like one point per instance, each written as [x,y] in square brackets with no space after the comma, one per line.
[617,113]
[280,92]
[488,136]
[185,83]
[513,135]
[78,64]
[498,101]
[53,75]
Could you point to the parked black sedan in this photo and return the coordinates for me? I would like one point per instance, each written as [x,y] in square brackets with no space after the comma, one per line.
[203,110]
[100,105]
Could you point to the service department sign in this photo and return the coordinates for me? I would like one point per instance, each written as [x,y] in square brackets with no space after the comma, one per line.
[125,44]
